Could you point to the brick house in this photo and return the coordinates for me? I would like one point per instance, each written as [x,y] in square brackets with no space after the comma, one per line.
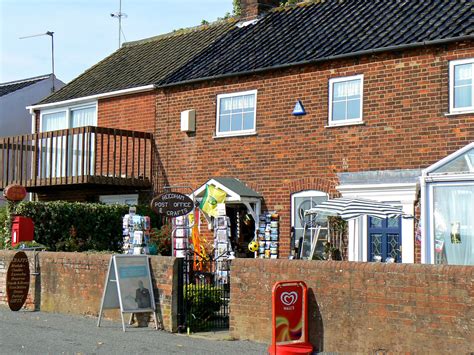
[299,104]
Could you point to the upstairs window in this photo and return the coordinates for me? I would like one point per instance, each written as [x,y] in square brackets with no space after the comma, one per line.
[236,113]
[461,82]
[68,117]
[345,100]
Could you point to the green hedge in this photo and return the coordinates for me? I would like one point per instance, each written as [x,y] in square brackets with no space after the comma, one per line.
[203,304]
[75,226]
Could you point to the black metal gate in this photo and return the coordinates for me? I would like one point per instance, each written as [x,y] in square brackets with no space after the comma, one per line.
[203,295]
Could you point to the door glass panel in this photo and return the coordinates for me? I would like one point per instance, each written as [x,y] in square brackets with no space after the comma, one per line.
[393,222]
[375,222]
[393,249]
[375,246]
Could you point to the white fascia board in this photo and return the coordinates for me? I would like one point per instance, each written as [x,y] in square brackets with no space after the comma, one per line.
[93,97]
[448,178]
[389,192]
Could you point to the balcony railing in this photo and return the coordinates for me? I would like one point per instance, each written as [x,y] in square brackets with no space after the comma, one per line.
[85,155]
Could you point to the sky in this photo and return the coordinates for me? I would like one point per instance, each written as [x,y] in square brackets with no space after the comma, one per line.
[84,31]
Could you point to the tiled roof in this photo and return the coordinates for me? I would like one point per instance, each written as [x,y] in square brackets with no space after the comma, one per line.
[142,62]
[305,33]
[237,186]
[327,29]
[12,86]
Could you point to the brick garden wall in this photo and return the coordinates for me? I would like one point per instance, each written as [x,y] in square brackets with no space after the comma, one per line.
[362,307]
[405,127]
[72,283]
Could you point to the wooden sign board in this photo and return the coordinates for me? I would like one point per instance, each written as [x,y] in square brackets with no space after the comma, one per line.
[172,204]
[128,287]
[18,281]
[14,192]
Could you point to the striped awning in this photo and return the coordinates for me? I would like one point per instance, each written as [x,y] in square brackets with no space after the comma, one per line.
[348,208]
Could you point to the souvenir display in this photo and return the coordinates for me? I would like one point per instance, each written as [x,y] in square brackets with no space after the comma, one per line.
[268,236]
[180,236]
[136,234]
[222,247]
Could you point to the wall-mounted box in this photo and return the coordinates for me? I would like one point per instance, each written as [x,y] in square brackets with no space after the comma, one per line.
[188,121]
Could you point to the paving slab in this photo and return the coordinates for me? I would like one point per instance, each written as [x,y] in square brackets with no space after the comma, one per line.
[26,332]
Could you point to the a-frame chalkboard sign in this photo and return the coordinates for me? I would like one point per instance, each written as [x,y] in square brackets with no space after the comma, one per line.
[128,287]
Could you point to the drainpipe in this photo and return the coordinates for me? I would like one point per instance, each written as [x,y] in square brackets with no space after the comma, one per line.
[423,221]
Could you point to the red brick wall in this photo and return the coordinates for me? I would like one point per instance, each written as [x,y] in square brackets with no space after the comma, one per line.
[405,99]
[132,112]
[362,307]
[72,283]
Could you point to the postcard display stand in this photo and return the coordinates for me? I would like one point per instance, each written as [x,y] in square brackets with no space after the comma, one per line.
[268,235]
[222,248]
[181,233]
[128,287]
[136,234]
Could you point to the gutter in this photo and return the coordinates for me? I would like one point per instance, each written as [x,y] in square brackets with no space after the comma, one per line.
[92,97]
[323,59]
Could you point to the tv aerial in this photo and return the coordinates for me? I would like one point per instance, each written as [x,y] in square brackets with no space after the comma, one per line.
[118,15]
[51,34]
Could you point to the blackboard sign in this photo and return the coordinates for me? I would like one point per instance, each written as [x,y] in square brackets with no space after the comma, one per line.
[18,281]
[128,286]
[172,204]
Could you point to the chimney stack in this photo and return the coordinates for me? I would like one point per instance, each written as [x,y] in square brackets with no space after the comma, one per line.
[251,9]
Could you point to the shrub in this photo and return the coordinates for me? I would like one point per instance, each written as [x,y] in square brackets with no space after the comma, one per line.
[203,302]
[4,223]
[75,226]
[162,239]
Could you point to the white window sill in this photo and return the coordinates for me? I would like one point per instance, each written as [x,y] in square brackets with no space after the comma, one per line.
[236,134]
[333,125]
[457,113]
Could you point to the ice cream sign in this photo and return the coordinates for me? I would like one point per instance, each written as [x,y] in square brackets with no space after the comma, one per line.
[288,299]
[172,204]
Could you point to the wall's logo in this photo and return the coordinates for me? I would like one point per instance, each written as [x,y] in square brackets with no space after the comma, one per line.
[289,298]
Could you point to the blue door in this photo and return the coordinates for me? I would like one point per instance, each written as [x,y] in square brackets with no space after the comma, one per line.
[385,239]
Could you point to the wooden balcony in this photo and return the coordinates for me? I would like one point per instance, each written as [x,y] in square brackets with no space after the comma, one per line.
[85,155]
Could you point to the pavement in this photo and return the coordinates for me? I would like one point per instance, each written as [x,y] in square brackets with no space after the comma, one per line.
[27,332]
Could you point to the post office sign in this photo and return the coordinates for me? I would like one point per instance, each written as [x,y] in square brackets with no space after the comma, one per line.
[172,204]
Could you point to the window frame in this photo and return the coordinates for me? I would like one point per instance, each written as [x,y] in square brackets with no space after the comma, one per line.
[452,65]
[240,132]
[68,116]
[304,194]
[351,121]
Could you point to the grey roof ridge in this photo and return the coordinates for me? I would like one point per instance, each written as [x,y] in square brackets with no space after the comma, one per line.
[161,83]
[181,31]
[39,77]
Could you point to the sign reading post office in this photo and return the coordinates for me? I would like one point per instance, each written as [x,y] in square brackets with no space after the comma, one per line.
[172,204]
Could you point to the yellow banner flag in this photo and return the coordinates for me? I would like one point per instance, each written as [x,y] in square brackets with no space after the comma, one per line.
[211,198]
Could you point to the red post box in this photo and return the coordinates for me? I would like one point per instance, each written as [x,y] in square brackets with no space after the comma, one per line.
[22,230]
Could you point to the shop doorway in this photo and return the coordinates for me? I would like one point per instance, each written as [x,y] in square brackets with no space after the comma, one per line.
[242,230]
